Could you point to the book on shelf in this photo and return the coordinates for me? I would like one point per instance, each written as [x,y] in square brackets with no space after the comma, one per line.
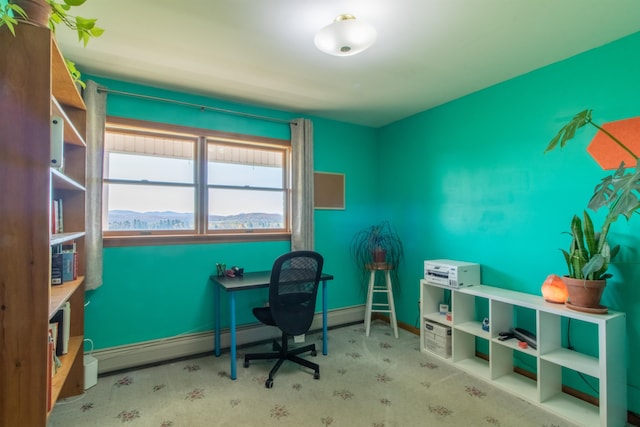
[53,364]
[54,216]
[64,263]
[69,262]
[50,365]
[55,361]
[60,221]
[57,225]
[63,320]
[53,333]
[56,265]
[66,326]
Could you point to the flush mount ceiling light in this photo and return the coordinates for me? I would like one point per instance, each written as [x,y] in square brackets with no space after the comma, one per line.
[345,36]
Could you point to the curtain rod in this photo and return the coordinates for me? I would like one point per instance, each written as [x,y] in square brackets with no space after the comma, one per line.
[200,107]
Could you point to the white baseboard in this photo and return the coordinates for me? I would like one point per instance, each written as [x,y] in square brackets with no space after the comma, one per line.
[130,356]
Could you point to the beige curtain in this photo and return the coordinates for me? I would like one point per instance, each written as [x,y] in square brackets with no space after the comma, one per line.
[96,102]
[302,184]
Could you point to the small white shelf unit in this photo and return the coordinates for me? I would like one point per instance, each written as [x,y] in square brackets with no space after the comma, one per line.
[551,357]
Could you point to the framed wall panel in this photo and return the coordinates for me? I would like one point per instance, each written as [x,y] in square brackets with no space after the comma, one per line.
[328,190]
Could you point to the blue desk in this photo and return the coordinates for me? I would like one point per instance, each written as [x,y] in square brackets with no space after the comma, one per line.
[254,280]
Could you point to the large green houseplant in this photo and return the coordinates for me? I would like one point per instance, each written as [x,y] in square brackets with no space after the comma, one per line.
[375,246]
[589,253]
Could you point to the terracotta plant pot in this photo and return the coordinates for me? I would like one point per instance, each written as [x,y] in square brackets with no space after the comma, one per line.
[38,11]
[379,255]
[584,293]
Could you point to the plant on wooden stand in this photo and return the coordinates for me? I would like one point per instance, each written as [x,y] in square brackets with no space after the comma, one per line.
[51,13]
[589,253]
[377,244]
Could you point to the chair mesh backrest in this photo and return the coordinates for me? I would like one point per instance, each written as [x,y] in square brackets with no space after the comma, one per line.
[293,289]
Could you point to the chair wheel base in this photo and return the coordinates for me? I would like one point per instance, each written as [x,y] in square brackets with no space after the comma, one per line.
[314,353]
[246,364]
[316,376]
[269,383]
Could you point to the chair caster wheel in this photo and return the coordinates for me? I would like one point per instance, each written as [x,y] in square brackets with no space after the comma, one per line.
[269,383]
[316,376]
[246,364]
[314,353]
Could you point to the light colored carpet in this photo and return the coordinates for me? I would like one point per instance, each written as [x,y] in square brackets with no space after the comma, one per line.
[375,381]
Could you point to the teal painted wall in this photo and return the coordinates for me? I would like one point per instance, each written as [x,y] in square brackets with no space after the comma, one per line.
[469,181]
[154,292]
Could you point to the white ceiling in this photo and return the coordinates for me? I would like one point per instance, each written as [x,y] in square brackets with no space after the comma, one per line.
[261,52]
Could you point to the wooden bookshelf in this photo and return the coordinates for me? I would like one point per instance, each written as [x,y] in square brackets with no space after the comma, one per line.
[34,87]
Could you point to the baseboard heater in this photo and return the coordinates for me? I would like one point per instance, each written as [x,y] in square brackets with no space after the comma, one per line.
[156,351]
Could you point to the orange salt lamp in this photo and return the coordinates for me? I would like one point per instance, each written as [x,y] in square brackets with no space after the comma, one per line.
[554,290]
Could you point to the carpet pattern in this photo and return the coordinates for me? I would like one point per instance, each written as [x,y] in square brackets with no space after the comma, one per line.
[375,381]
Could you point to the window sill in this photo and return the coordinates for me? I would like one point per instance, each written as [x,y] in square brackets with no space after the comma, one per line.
[191,239]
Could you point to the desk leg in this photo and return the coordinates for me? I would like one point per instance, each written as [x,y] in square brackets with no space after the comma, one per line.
[216,307]
[325,338]
[232,332]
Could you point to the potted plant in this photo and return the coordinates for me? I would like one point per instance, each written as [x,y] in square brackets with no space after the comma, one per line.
[589,253]
[50,13]
[377,244]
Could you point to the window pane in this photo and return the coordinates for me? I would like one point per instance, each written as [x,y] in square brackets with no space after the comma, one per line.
[245,209]
[151,158]
[242,166]
[149,207]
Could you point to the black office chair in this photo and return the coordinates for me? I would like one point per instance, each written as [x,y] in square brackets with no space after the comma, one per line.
[295,277]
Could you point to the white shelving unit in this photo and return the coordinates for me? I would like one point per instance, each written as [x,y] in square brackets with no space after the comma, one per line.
[503,308]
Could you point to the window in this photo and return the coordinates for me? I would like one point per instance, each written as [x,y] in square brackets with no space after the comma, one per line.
[246,187]
[149,182]
[164,180]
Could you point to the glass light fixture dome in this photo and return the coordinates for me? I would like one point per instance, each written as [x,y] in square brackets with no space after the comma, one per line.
[345,36]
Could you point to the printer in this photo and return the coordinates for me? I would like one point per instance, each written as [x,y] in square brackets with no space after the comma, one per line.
[451,274]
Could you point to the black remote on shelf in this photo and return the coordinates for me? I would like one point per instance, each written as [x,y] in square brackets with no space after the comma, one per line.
[526,336]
